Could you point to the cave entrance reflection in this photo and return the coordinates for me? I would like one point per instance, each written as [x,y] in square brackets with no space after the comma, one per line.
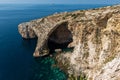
[60,38]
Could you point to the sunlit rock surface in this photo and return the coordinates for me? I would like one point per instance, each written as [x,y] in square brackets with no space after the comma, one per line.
[94,34]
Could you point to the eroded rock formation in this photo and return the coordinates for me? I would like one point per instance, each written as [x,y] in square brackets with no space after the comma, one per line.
[94,34]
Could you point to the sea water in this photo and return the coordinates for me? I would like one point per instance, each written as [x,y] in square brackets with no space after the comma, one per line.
[16,60]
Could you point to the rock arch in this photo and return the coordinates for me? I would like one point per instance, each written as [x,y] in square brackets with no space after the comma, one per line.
[58,37]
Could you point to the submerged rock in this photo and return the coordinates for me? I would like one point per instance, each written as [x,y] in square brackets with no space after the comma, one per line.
[94,34]
[58,50]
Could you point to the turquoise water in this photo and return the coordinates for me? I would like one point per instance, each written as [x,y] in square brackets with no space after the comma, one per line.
[16,60]
[49,71]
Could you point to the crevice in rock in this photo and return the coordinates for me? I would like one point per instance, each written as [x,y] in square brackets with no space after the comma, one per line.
[60,38]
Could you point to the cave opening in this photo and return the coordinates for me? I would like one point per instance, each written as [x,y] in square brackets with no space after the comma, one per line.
[60,38]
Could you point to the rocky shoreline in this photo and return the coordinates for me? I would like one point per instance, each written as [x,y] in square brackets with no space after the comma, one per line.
[93,34]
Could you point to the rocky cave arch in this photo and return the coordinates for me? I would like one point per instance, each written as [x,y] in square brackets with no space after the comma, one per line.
[60,37]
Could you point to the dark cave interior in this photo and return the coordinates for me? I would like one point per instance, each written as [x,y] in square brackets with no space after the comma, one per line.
[60,38]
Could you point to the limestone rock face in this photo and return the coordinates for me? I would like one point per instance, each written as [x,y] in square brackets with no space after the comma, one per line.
[26,31]
[94,34]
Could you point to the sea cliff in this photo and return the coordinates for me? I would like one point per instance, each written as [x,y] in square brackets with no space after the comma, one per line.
[93,34]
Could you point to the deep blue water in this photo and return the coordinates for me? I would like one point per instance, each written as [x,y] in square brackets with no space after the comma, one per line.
[16,60]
